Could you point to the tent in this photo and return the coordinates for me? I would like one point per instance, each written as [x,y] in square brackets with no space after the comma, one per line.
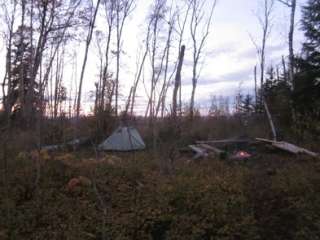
[123,139]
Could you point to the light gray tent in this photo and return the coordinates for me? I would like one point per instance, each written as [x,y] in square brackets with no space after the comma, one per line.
[123,139]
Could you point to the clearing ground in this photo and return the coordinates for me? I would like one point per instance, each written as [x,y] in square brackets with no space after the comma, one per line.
[128,196]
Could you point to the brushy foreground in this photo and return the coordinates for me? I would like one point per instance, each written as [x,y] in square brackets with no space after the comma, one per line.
[126,197]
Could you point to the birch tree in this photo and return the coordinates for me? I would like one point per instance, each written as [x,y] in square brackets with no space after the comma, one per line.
[156,62]
[166,57]
[292,5]
[182,22]
[140,66]
[177,81]
[200,24]
[123,9]
[91,26]
[110,11]
[9,17]
[265,23]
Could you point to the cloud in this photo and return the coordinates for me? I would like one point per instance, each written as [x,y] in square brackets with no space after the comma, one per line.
[250,53]
[227,48]
[238,76]
[276,48]
[233,77]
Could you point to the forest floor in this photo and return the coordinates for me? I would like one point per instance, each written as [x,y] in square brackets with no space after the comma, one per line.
[129,196]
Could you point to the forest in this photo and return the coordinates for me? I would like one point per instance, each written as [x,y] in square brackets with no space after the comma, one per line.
[104,133]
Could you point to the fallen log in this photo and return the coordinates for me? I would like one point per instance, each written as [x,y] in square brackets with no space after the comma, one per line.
[200,152]
[52,147]
[264,140]
[72,143]
[294,149]
[289,147]
[223,141]
[211,148]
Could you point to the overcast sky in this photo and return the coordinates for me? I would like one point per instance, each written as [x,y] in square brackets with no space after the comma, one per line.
[230,55]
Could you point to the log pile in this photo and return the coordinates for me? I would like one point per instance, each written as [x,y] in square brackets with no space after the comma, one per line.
[203,149]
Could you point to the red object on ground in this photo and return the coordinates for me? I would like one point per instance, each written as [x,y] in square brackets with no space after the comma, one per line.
[73,183]
[242,155]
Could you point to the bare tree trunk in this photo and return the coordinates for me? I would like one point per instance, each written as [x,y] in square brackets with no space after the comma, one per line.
[273,129]
[96,100]
[21,70]
[56,88]
[262,56]
[105,70]
[58,83]
[291,57]
[182,29]
[291,51]
[197,16]
[88,41]
[194,86]
[30,93]
[284,69]
[153,67]
[163,102]
[118,61]
[166,55]
[265,23]
[292,5]
[109,10]
[6,92]
[177,81]
[98,85]
[134,90]
[255,84]
[140,70]
[128,103]
[124,7]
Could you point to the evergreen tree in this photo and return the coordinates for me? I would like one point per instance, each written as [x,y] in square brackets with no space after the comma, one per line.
[244,104]
[311,28]
[21,75]
[306,95]
[277,94]
[247,104]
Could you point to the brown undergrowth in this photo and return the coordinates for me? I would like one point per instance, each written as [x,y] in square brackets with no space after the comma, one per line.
[126,197]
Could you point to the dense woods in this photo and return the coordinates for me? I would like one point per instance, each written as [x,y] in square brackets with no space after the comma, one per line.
[79,192]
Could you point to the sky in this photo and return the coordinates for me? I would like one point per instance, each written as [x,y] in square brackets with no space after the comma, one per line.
[228,60]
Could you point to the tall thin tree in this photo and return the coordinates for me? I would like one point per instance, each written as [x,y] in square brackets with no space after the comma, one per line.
[198,18]
[123,9]
[292,4]
[88,41]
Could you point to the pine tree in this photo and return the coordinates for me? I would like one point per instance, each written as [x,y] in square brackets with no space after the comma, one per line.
[21,75]
[277,94]
[306,95]
[247,104]
[311,28]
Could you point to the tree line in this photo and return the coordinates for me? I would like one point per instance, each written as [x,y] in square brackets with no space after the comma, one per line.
[38,35]
[289,90]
